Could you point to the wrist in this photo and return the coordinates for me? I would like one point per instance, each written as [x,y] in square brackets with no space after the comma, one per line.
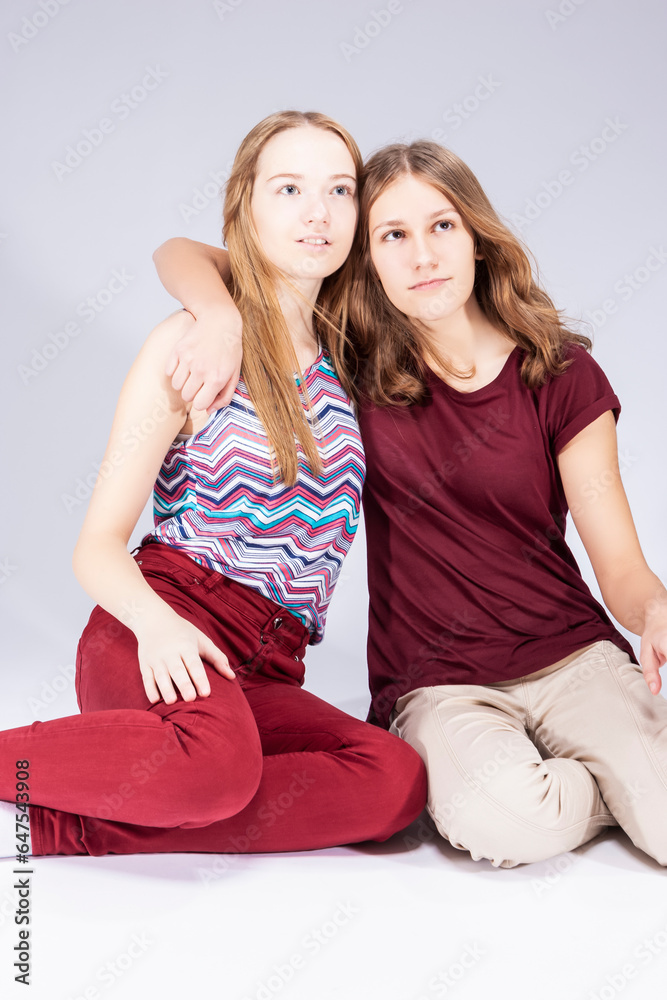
[148,617]
[222,313]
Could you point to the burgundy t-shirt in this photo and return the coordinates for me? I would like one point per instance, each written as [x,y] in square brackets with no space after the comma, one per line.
[470,578]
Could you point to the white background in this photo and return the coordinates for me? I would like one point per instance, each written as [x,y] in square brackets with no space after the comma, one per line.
[522,93]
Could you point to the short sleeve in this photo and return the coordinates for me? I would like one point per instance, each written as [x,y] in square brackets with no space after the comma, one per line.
[577,397]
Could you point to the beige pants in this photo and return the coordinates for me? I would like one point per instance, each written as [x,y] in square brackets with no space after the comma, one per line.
[523,770]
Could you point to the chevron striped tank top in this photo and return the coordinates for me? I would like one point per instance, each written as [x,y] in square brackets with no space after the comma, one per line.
[215,499]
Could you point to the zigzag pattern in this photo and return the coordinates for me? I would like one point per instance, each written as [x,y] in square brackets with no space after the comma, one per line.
[216,500]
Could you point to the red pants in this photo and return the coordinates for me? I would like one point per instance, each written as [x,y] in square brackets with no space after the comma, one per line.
[260,765]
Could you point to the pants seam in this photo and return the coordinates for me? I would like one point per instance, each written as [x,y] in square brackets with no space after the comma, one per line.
[477,788]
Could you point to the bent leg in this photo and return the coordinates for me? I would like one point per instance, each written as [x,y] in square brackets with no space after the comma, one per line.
[600,711]
[186,763]
[490,791]
[328,779]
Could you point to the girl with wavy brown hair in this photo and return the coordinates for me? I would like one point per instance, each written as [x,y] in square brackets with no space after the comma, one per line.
[195,732]
[485,420]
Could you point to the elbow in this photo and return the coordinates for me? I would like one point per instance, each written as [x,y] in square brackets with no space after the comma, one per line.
[167,246]
[78,558]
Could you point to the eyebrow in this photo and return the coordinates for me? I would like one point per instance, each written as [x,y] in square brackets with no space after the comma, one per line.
[299,177]
[397,223]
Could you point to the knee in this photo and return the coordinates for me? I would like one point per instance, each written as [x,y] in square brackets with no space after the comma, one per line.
[399,785]
[493,834]
[652,841]
[221,789]
[196,790]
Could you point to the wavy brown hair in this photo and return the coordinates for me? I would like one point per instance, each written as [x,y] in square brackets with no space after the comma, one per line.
[269,359]
[392,347]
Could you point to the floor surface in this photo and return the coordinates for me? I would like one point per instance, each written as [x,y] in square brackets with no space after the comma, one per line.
[405,920]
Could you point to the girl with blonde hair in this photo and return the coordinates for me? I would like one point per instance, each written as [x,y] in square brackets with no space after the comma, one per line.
[195,732]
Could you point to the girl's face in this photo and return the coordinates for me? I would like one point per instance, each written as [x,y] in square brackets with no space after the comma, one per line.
[304,202]
[423,251]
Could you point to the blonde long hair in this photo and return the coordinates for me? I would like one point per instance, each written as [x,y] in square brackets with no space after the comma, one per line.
[269,359]
[392,347]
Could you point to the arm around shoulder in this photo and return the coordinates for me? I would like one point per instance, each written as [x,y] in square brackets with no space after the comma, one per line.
[205,363]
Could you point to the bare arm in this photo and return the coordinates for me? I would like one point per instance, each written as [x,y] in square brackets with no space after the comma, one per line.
[633,593]
[149,415]
[205,363]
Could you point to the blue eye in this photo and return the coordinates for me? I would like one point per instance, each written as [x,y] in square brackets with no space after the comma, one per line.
[289,188]
[342,189]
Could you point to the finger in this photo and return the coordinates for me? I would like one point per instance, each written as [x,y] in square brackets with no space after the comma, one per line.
[210,652]
[172,363]
[181,678]
[197,672]
[223,398]
[180,376]
[167,690]
[205,397]
[225,395]
[191,387]
[150,686]
[651,669]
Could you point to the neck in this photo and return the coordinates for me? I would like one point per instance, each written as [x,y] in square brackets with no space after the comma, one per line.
[298,315]
[464,338]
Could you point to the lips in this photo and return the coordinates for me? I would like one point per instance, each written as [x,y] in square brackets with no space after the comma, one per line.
[315,241]
[426,285]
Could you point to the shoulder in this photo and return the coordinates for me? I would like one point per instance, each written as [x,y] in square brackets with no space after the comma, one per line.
[162,339]
[581,372]
[578,356]
[147,379]
[582,368]
[575,398]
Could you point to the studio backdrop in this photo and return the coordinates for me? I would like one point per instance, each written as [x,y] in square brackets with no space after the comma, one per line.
[120,124]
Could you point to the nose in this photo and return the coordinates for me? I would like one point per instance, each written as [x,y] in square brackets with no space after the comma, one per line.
[316,209]
[423,254]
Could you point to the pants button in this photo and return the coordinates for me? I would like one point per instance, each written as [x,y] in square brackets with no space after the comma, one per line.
[277,622]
